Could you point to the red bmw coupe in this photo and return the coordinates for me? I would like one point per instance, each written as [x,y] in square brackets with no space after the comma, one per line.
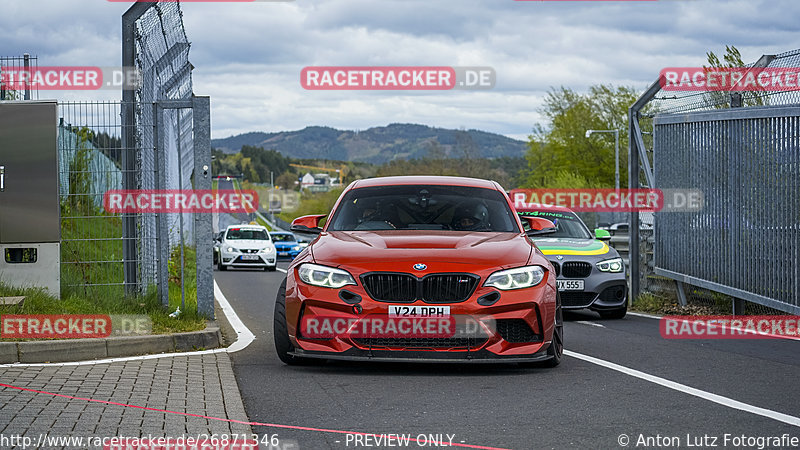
[425,269]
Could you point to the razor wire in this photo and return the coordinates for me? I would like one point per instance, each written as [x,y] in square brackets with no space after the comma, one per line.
[162,57]
[673,101]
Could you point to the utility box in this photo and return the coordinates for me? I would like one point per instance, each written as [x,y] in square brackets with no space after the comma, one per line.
[30,218]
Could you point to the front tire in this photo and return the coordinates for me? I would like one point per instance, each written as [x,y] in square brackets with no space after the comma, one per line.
[556,349]
[280,332]
[221,267]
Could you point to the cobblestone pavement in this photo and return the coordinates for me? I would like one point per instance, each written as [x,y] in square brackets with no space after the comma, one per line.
[202,385]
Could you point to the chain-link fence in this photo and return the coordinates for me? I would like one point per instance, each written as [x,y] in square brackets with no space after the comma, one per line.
[160,51]
[157,138]
[89,160]
[16,64]
[741,251]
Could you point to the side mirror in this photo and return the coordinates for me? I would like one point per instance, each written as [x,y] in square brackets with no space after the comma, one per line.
[539,226]
[308,224]
[601,234]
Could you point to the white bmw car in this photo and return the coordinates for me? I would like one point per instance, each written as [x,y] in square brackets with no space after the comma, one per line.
[246,246]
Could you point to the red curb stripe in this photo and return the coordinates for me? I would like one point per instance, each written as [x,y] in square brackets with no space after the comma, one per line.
[290,427]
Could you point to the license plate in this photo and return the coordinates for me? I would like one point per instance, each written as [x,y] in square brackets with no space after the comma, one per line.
[249,257]
[419,311]
[283,253]
[570,285]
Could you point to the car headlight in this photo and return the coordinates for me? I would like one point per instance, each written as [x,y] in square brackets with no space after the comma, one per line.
[231,250]
[266,250]
[323,276]
[613,265]
[519,278]
[296,248]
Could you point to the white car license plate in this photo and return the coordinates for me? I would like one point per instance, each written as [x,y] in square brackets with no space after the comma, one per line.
[249,257]
[419,311]
[570,285]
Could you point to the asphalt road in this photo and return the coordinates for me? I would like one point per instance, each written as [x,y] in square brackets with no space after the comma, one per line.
[579,404]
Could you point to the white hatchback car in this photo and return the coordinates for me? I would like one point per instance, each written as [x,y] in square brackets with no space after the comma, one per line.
[246,246]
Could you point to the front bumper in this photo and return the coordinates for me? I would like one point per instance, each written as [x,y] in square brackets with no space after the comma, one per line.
[287,253]
[474,357]
[533,308]
[238,259]
[602,290]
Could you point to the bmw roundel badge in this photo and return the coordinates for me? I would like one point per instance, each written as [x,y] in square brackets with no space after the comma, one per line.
[420,266]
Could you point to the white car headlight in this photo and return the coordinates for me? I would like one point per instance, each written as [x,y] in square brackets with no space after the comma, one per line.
[231,250]
[613,265]
[323,276]
[519,278]
[267,250]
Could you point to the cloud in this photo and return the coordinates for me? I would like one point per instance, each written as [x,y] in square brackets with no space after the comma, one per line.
[248,56]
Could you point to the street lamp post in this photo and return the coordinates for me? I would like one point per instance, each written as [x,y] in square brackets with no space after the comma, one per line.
[616,151]
[271,189]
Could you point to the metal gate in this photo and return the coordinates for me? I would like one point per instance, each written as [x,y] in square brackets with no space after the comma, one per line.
[745,158]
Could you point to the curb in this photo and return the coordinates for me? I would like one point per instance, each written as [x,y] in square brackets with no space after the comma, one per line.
[90,349]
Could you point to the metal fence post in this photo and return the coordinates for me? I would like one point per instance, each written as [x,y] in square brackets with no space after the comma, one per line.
[27,58]
[637,155]
[633,228]
[130,254]
[162,231]
[202,222]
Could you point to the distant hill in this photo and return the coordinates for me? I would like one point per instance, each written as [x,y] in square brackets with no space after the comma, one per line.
[377,145]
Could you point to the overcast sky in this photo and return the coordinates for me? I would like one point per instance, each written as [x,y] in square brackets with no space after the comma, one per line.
[248,56]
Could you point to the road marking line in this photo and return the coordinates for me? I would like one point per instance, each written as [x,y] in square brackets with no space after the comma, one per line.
[272,425]
[281,270]
[244,337]
[714,398]
[586,322]
[649,316]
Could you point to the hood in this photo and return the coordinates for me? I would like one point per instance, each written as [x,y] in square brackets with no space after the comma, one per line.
[441,251]
[247,243]
[572,246]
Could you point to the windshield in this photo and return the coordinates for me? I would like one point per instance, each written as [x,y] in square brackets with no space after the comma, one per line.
[235,234]
[283,237]
[568,225]
[453,208]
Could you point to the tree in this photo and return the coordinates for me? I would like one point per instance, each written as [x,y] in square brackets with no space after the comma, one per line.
[286,180]
[721,99]
[562,150]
